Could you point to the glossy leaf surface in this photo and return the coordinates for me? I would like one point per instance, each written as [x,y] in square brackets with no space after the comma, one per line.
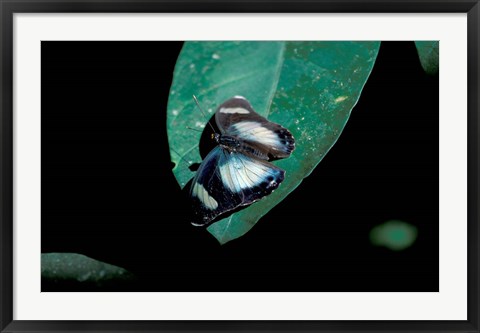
[428,53]
[77,268]
[308,87]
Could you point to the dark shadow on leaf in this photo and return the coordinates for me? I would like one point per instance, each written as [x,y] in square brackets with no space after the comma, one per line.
[194,166]
[207,142]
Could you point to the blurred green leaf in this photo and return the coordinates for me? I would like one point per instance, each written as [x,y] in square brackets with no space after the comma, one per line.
[428,54]
[73,267]
[394,234]
[308,87]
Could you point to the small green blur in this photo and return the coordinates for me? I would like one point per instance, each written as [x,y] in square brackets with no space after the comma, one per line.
[394,234]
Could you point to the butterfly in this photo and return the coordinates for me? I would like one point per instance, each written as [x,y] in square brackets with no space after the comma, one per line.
[237,172]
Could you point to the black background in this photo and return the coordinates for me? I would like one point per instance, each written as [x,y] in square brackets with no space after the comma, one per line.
[108,191]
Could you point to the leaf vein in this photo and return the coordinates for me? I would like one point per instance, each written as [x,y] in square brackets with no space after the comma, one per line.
[276,80]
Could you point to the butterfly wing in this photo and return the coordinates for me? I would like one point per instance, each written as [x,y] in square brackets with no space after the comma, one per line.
[237,118]
[227,180]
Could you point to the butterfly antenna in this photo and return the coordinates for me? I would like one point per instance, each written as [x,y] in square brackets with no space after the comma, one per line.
[204,114]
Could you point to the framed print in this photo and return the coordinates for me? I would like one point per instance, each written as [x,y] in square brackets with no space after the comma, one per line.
[229,166]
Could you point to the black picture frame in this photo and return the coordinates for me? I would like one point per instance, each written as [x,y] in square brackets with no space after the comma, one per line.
[7,10]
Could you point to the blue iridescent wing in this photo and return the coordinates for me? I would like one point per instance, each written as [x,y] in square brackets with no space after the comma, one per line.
[227,180]
[237,118]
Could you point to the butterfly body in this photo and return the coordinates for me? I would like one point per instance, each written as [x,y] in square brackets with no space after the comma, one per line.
[232,144]
[228,142]
[237,172]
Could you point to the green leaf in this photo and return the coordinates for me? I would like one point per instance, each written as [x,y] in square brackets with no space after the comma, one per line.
[394,234]
[73,267]
[428,54]
[308,87]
